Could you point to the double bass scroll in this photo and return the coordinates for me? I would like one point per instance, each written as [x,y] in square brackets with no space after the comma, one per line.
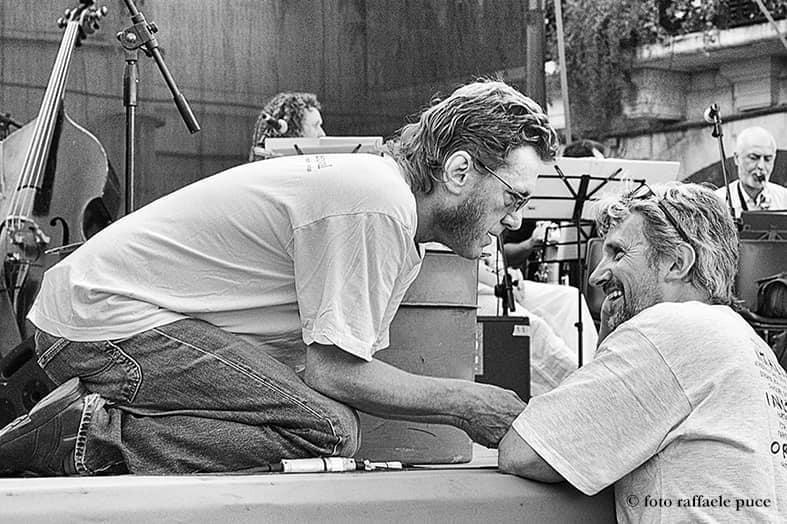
[59,188]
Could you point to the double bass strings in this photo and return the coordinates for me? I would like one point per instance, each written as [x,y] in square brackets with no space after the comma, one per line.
[21,204]
[20,207]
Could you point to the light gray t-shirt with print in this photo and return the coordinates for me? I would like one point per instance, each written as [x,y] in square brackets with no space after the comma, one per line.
[684,409]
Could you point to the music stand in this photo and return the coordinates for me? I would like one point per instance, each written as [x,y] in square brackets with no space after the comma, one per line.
[562,196]
[275,147]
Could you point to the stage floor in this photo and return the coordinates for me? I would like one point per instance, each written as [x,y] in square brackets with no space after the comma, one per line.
[473,492]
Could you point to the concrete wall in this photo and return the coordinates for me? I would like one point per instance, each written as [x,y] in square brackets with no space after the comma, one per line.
[698,151]
[743,70]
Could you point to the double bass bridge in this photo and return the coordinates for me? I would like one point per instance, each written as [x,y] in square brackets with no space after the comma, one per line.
[25,234]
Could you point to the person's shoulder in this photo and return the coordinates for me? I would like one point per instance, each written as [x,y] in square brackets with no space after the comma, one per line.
[684,312]
[361,163]
[777,188]
[379,163]
[690,322]
[370,182]
[373,173]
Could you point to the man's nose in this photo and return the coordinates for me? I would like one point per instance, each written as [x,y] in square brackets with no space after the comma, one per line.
[512,220]
[599,275]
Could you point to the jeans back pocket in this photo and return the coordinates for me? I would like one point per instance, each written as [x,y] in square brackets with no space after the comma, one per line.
[103,367]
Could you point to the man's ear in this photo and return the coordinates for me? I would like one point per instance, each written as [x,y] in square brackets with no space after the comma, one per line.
[681,265]
[456,171]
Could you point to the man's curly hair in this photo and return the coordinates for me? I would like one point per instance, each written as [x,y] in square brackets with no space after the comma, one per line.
[288,106]
[704,220]
[487,118]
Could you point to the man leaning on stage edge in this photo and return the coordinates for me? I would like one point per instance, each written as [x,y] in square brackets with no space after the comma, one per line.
[234,322]
[755,154]
[683,401]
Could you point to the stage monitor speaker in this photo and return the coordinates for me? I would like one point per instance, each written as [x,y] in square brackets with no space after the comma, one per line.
[22,382]
[503,353]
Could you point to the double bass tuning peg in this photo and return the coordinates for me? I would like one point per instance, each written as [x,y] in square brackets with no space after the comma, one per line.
[63,21]
[97,15]
[92,17]
[95,18]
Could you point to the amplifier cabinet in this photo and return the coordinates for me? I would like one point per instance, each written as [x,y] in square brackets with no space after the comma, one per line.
[503,353]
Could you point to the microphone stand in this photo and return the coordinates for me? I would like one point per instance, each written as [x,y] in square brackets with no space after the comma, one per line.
[715,116]
[130,82]
[140,35]
[505,291]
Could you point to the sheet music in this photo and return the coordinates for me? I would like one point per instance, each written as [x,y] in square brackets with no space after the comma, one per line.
[327,144]
[554,198]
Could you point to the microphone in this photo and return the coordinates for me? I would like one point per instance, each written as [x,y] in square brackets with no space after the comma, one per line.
[711,113]
[277,124]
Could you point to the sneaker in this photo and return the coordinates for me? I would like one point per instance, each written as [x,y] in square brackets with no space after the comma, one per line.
[43,441]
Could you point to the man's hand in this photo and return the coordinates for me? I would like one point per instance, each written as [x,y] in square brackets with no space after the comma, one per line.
[545,233]
[491,414]
[483,411]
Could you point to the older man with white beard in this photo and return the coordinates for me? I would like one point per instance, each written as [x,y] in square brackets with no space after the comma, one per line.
[755,155]
[683,408]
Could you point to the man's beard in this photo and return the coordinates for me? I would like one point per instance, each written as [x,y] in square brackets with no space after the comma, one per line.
[461,224]
[647,295]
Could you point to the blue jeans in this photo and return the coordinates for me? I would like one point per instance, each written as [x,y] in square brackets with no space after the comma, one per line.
[189,397]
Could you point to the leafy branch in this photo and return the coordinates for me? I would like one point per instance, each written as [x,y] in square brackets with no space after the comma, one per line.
[601,37]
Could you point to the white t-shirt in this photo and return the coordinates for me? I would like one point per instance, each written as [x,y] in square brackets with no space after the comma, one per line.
[683,408]
[283,252]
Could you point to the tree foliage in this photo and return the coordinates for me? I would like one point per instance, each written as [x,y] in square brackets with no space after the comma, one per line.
[601,37]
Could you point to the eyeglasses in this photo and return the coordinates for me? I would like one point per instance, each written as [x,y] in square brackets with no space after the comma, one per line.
[643,192]
[520,199]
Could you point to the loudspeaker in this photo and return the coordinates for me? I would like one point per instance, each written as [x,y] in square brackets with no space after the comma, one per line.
[22,382]
[503,353]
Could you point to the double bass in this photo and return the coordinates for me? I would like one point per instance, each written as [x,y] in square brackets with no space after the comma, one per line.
[57,187]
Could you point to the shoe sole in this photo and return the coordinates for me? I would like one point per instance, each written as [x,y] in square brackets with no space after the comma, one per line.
[48,407]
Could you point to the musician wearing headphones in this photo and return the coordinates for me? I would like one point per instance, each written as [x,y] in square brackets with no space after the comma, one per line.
[755,154]
[288,114]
